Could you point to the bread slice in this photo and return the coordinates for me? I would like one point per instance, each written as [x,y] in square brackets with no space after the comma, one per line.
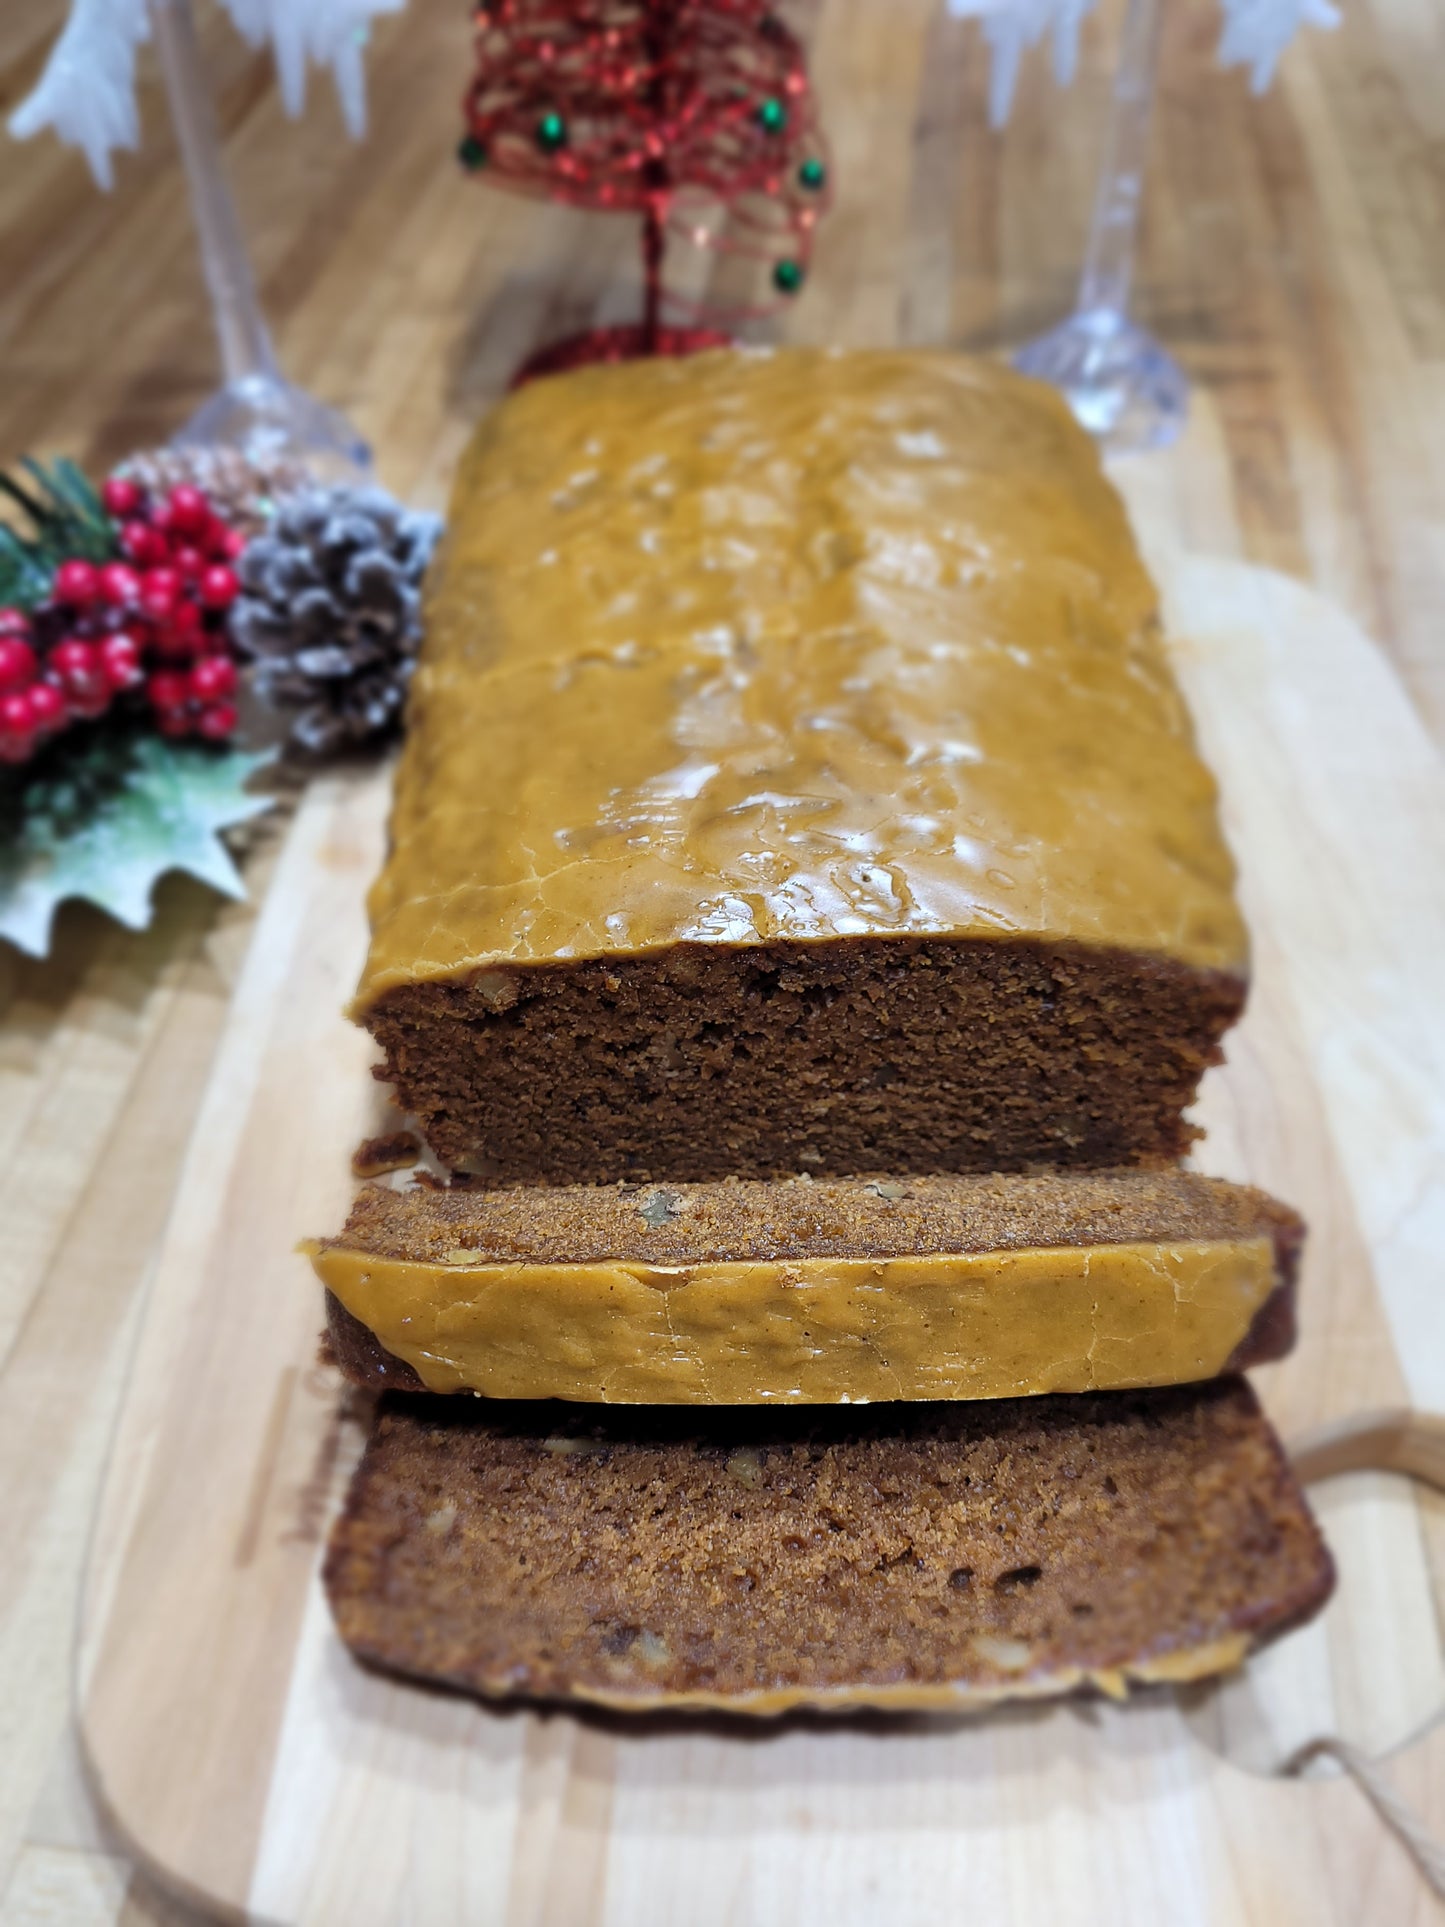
[909,1557]
[845,1291]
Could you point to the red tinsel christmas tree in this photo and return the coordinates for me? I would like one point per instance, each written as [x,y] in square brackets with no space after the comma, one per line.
[694,114]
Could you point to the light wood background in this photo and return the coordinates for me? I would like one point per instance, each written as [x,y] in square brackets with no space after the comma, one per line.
[1294,260]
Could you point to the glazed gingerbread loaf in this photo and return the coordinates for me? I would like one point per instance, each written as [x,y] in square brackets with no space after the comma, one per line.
[795,781]
[812,1292]
[911,1556]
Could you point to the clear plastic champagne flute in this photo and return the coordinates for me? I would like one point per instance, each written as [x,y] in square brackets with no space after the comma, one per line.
[256,409]
[1121,384]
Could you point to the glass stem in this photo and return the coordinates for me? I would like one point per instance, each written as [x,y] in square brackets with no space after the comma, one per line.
[245,344]
[1109,263]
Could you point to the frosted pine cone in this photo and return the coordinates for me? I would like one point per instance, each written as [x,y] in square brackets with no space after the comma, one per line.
[329,613]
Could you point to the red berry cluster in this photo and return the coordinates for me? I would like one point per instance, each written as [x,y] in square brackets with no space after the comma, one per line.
[149,630]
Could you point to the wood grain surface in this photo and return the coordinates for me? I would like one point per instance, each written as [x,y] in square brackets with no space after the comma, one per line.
[1293,260]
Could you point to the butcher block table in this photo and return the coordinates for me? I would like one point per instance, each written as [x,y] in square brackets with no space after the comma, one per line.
[1294,260]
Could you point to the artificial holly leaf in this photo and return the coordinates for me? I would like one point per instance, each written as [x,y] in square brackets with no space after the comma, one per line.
[114,820]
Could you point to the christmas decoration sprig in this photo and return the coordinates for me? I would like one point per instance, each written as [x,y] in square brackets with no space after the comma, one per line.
[109,820]
[112,601]
[61,517]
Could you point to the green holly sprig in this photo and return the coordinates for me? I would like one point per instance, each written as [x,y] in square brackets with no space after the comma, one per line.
[60,518]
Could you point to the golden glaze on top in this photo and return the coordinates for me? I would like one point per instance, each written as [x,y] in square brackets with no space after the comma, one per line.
[792,645]
[813,1331]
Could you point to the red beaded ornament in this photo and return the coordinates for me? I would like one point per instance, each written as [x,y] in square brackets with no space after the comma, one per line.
[695,114]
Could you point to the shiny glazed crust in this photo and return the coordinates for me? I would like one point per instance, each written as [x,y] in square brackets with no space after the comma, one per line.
[789,647]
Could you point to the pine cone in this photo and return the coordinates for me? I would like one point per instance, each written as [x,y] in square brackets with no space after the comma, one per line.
[329,613]
[244,489]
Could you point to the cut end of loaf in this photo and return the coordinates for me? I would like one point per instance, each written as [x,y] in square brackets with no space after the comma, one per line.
[828,1058]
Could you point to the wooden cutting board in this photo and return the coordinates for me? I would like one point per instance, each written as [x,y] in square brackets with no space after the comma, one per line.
[251,1765]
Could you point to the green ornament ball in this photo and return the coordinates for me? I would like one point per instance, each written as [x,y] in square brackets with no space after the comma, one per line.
[812,175]
[772,115]
[471,153]
[788,276]
[551,133]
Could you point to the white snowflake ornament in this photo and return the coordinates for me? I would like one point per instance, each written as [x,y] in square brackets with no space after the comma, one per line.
[1256,33]
[87,91]
[1011,27]
[332,33]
